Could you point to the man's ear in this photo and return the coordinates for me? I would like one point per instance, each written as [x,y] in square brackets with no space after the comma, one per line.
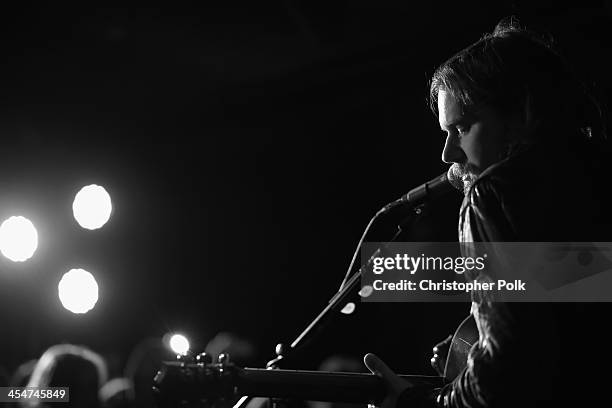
[520,126]
[529,119]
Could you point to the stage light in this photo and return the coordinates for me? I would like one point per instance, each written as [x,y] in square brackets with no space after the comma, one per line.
[179,344]
[18,239]
[78,291]
[92,207]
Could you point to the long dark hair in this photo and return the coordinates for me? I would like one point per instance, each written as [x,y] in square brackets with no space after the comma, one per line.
[516,71]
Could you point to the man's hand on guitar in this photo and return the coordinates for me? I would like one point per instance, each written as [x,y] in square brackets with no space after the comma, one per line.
[440,351]
[395,385]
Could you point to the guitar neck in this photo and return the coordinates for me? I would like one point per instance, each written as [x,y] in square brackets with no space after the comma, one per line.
[319,385]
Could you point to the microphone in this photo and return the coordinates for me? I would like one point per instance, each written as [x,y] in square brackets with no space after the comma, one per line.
[433,188]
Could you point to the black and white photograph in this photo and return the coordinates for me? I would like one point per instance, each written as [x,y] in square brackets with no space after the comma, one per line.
[299,204]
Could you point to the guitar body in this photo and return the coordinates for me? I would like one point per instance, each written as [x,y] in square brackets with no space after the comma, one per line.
[463,340]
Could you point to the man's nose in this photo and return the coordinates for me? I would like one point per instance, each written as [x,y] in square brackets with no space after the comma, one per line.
[452,153]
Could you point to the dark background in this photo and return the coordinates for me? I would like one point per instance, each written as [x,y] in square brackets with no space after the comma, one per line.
[245,147]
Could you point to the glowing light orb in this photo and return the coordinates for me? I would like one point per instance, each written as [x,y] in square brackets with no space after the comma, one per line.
[179,344]
[366,291]
[348,308]
[18,239]
[78,291]
[92,207]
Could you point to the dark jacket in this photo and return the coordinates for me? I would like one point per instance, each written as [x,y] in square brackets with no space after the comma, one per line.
[535,354]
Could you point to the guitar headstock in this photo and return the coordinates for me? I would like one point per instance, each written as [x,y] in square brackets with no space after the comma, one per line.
[197,382]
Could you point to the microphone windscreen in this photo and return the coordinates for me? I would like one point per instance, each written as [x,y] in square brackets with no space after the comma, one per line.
[454,176]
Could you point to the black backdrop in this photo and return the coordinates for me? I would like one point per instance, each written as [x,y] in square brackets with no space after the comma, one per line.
[245,146]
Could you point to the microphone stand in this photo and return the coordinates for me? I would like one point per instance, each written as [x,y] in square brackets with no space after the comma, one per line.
[337,302]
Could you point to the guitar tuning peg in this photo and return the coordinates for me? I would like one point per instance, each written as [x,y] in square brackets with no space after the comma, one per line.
[204,358]
[280,349]
[184,358]
[224,359]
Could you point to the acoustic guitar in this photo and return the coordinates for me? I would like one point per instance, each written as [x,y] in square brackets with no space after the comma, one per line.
[204,383]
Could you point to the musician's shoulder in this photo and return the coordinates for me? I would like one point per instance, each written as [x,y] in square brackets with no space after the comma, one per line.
[516,175]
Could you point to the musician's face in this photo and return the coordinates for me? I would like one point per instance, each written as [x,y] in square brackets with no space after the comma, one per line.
[474,141]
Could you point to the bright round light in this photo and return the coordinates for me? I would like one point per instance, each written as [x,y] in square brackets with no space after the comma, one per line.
[92,207]
[179,344]
[78,291]
[18,239]
[348,308]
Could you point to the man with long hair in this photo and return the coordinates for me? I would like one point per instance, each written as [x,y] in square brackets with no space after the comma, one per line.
[522,134]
